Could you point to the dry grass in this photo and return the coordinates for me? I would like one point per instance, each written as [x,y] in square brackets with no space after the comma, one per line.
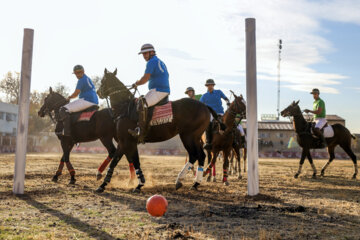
[287,208]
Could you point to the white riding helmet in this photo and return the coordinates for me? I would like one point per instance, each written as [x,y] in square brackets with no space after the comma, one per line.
[147,48]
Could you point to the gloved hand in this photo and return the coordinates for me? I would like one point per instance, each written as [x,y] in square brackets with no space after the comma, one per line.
[228,104]
[134,85]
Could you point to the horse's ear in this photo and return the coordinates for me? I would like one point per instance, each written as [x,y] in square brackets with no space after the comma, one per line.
[241,96]
[233,94]
[115,72]
[293,103]
[105,71]
[50,90]
[297,102]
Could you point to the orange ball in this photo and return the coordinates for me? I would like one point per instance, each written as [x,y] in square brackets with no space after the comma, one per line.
[156,205]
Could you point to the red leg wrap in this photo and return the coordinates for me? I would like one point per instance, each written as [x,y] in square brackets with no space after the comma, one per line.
[104,164]
[132,170]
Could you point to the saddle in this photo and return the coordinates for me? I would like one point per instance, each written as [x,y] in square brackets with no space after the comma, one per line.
[84,115]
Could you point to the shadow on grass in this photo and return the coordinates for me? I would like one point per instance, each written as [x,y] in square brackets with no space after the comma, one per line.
[71,221]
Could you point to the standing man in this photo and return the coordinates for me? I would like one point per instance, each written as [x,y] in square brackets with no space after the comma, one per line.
[85,89]
[319,112]
[159,88]
[213,99]
[191,93]
[238,122]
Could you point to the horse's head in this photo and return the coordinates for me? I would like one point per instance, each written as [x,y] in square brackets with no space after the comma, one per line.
[52,101]
[292,110]
[238,106]
[111,85]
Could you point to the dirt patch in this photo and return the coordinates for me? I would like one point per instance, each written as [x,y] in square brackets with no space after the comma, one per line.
[287,208]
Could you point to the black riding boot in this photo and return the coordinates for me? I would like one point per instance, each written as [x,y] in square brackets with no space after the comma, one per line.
[208,134]
[319,134]
[140,131]
[243,141]
[65,118]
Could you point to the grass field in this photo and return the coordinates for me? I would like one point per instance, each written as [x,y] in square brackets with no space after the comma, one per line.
[287,208]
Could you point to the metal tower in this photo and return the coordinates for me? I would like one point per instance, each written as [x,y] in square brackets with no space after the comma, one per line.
[278,91]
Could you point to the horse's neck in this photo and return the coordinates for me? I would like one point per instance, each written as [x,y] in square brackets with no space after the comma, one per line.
[299,123]
[229,120]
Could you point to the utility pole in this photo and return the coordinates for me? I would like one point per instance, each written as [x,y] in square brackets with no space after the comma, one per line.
[278,91]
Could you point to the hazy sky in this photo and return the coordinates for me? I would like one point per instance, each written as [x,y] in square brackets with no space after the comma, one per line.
[197,40]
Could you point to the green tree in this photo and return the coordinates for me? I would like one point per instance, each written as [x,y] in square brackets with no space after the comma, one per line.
[9,85]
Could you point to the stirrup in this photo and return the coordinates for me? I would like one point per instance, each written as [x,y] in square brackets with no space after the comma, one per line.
[135,133]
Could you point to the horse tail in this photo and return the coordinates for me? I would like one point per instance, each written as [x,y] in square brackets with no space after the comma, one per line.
[213,113]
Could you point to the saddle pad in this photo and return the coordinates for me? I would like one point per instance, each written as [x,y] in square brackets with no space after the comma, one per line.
[86,116]
[162,114]
[328,131]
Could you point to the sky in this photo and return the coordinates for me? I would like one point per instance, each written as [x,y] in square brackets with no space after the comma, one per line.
[197,40]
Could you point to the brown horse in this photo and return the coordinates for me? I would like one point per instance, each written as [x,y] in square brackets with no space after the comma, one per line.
[307,141]
[237,146]
[190,119]
[100,126]
[223,137]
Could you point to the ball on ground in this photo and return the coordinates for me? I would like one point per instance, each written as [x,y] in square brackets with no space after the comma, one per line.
[156,205]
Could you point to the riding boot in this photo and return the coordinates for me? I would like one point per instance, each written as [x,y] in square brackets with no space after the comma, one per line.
[140,131]
[208,134]
[66,119]
[319,134]
[243,141]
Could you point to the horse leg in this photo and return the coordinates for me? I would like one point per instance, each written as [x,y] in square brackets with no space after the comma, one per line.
[351,154]
[225,168]
[237,153]
[245,155]
[331,158]
[116,158]
[211,164]
[67,145]
[200,170]
[141,179]
[214,172]
[59,171]
[302,159]
[107,142]
[311,163]
[209,156]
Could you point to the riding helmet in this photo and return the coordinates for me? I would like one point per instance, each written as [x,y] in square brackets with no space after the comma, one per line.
[189,89]
[147,48]
[78,67]
[210,82]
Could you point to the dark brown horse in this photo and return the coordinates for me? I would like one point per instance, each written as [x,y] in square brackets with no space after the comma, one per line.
[101,126]
[237,146]
[223,137]
[307,141]
[190,119]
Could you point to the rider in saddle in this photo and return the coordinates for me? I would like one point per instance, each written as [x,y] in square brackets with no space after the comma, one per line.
[213,99]
[319,112]
[85,89]
[191,93]
[158,77]
[240,128]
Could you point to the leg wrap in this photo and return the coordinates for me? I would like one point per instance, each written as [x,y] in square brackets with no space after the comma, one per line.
[109,174]
[104,164]
[184,171]
[199,174]
[225,176]
[300,167]
[213,170]
[132,170]
[60,168]
[356,168]
[140,176]
[313,167]
[325,166]
[70,168]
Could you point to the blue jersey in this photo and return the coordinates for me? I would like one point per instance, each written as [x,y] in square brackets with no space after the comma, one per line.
[213,100]
[87,89]
[159,78]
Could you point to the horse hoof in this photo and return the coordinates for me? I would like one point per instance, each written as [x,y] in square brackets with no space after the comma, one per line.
[98,176]
[354,176]
[296,175]
[239,177]
[208,179]
[100,190]
[136,190]
[195,186]
[314,176]
[178,185]
[72,181]
[214,179]
[55,178]
[226,183]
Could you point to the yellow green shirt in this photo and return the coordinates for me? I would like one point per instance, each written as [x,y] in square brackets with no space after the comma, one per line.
[319,104]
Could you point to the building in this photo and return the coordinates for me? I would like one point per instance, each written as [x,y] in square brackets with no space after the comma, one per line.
[8,119]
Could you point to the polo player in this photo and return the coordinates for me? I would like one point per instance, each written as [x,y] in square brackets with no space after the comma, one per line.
[212,98]
[85,89]
[191,93]
[319,112]
[159,88]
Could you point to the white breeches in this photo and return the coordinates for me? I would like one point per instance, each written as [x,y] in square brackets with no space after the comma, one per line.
[153,97]
[212,118]
[78,105]
[241,130]
[320,123]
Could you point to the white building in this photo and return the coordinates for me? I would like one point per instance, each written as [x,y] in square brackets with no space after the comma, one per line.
[8,119]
